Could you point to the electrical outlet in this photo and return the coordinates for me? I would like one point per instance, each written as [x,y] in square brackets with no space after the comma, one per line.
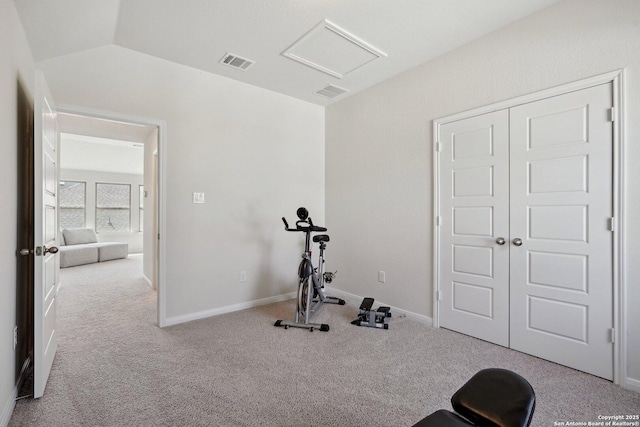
[243,276]
[381,276]
[15,337]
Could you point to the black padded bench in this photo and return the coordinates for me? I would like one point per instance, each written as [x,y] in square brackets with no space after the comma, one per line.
[491,398]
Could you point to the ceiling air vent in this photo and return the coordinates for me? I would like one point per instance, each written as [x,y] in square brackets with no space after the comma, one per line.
[331,91]
[236,61]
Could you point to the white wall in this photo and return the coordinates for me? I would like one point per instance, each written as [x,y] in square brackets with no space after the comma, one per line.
[101,154]
[90,178]
[246,148]
[16,64]
[379,142]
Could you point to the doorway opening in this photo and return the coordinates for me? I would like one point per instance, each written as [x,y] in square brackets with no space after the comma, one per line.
[116,160]
[108,185]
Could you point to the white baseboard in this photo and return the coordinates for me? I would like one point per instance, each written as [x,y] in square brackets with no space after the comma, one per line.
[7,409]
[632,384]
[353,299]
[227,309]
[357,299]
[146,279]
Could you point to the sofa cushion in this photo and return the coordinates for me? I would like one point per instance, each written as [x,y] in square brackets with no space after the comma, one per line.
[70,256]
[79,236]
[108,251]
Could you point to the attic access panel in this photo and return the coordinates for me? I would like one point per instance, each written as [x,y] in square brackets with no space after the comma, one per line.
[332,50]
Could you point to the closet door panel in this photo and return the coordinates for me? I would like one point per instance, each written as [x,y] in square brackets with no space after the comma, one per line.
[474,204]
[561,188]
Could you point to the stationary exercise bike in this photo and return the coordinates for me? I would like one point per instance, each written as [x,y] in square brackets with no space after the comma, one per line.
[311,280]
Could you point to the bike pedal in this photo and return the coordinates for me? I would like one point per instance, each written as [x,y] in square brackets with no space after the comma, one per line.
[384,310]
[367,303]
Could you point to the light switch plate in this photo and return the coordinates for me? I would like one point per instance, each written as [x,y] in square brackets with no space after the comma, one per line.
[198,197]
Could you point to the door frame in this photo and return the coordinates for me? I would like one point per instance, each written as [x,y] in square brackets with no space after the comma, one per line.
[619,205]
[161,183]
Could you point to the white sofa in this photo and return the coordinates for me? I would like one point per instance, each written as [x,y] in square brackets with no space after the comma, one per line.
[80,246]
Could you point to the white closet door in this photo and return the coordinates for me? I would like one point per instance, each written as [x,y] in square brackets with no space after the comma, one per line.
[474,212]
[561,204]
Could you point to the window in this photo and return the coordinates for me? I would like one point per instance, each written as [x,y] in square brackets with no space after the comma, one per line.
[113,207]
[71,200]
[141,207]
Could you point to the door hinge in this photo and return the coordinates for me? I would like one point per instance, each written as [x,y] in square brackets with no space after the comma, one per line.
[612,224]
[612,114]
[438,146]
[612,335]
[438,295]
[438,221]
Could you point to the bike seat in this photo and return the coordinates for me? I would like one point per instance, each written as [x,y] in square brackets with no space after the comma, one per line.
[321,238]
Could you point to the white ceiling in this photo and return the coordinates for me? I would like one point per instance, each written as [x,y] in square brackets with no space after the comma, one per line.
[198,33]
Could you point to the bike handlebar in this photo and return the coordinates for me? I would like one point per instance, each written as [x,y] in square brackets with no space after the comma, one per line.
[300,226]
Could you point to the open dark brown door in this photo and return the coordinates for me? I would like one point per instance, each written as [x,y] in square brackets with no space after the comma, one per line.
[24,240]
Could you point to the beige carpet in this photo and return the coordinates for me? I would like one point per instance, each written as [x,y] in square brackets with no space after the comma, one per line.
[114,367]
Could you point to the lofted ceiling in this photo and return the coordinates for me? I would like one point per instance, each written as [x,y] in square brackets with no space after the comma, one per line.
[294,45]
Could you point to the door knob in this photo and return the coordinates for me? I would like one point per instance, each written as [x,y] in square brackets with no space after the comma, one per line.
[500,241]
[25,252]
[51,250]
[42,251]
[517,241]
